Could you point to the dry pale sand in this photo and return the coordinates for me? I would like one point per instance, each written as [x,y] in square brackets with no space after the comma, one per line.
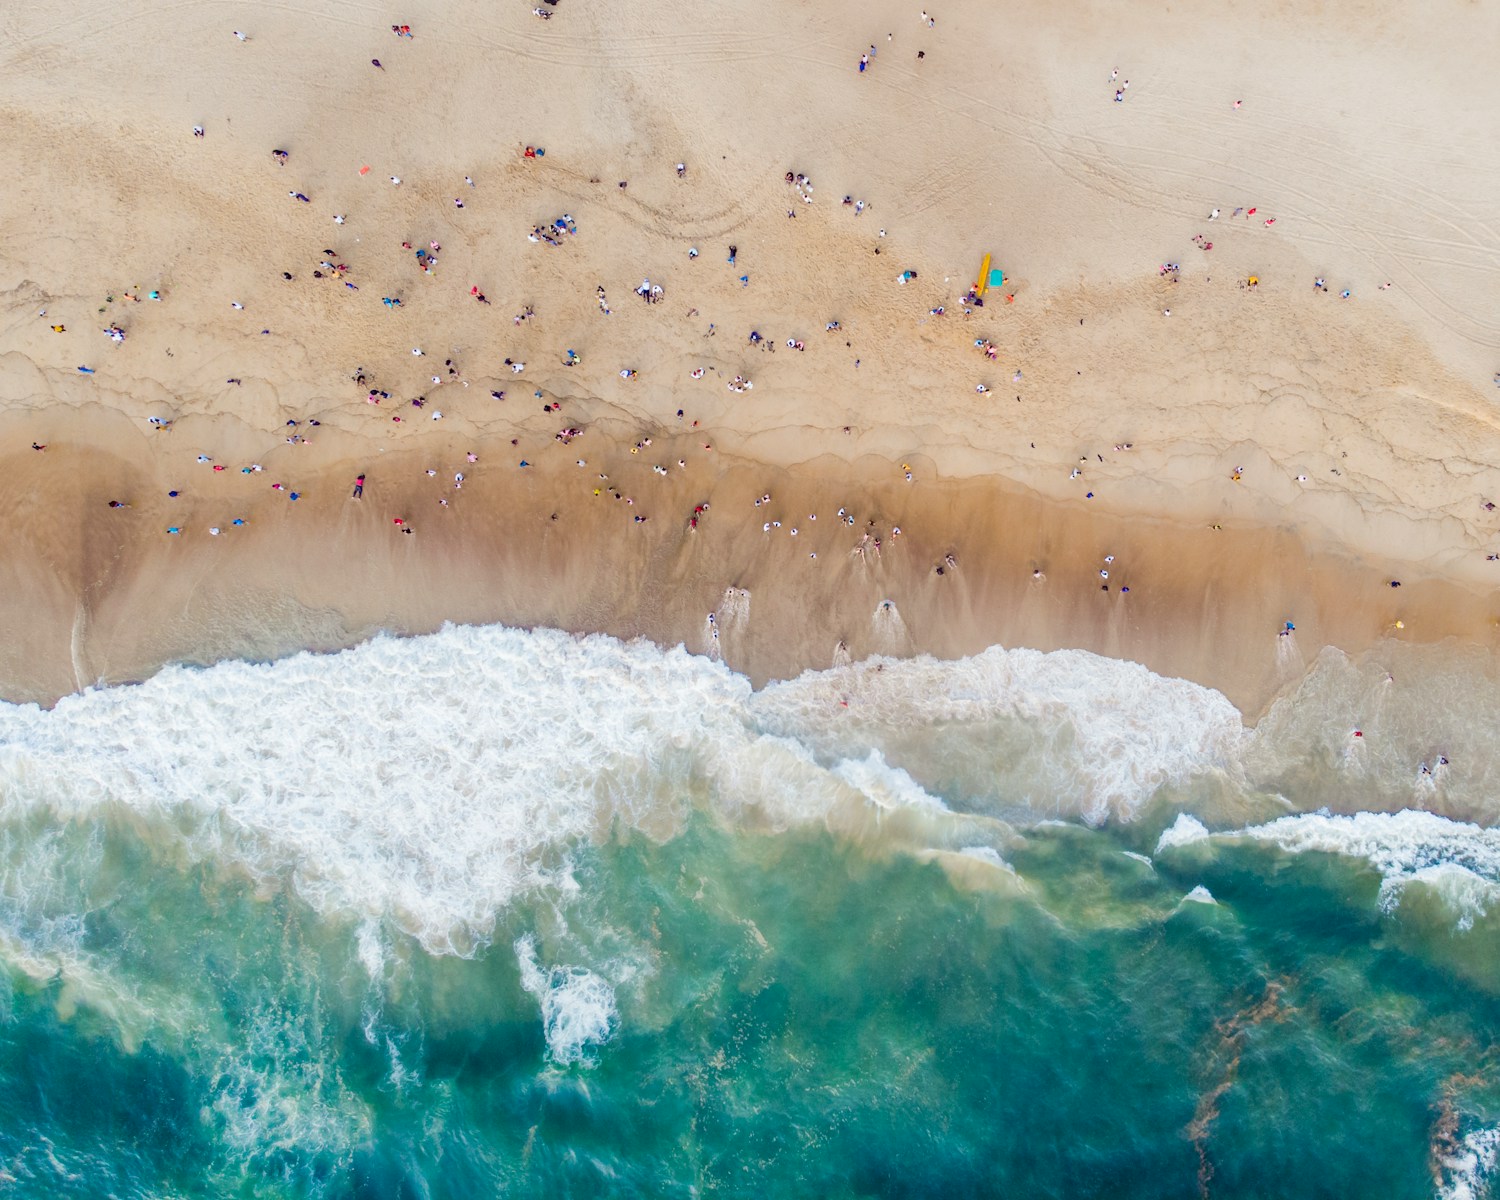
[1362,431]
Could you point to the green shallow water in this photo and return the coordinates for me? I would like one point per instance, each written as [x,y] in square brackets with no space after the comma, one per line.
[752,1014]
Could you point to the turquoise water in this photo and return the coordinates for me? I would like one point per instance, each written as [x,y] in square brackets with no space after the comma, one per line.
[500,913]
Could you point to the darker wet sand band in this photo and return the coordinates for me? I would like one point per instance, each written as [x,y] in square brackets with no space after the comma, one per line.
[100,595]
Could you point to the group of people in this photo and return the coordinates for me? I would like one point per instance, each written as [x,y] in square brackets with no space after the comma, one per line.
[553,234]
[335,266]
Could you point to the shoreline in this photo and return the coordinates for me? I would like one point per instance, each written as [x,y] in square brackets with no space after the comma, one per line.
[1205,600]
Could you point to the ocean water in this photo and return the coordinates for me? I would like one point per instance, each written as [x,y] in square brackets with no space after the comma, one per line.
[495,912]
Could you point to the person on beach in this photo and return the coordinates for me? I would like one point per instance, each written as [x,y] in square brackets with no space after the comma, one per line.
[359,487]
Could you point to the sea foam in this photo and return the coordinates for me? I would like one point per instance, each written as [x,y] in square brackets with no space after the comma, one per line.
[1457,860]
[578,1007]
[427,782]
[1184,831]
[1466,1172]
[1065,733]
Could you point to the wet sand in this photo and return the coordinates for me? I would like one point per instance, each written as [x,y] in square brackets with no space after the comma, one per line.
[105,596]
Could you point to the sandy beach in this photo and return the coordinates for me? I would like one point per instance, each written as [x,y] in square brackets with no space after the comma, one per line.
[360,366]
[1237,455]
